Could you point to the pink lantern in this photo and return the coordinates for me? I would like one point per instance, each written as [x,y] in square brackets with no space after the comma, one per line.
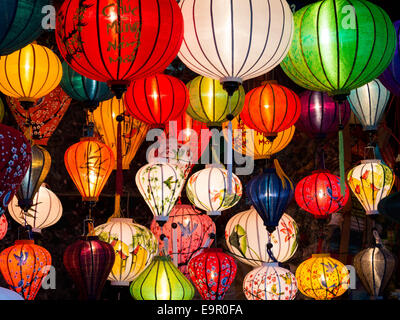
[3,226]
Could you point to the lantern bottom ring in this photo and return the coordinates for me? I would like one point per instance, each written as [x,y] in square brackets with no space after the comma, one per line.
[214,213]
[120,283]
[37,230]
[372,212]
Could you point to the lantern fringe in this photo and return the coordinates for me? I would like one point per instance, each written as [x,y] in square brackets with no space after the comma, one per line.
[282,175]
[341,164]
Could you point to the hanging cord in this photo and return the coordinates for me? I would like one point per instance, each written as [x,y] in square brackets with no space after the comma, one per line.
[269,249]
[230,151]
[88,223]
[341,151]
[321,236]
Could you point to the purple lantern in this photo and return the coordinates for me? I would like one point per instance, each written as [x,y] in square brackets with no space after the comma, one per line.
[319,116]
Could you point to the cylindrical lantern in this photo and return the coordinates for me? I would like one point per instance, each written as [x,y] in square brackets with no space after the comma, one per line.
[188,231]
[161,280]
[157,99]
[322,278]
[318,60]
[319,194]
[46,210]
[30,73]
[270,109]
[89,164]
[368,103]
[15,160]
[6,294]
[207,190]
[212,272]
[3,226]
[134,247]
[370,182]
[247,238]
[133,132]
[210,103]
[119,41]
[160,184]
[23,266]
[270,282]
[320,114]
[89,262]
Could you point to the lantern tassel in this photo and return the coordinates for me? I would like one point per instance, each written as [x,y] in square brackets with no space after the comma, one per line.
[269,247]
[281,174]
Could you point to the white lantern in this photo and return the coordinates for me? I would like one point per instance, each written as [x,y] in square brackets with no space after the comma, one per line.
[134,246]
[233,41]
[270,282]
[160,184]
[368,103]
[45,211]
[207,190]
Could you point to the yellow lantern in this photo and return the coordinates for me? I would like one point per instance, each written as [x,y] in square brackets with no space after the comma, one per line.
[322,277]
[133,132]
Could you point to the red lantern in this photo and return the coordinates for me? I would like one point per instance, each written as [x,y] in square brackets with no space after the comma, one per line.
[212,272]
[89,262]
[270,109]
[156,100]
[24,265]
[117,41]
[320,194]
[3,226]
[15,160]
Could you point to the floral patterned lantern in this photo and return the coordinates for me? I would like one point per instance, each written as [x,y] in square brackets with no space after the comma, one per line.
[270,282]
[212,272]
[6,294]
[3,226]
[247,238]
[188,231]
[134,247]
[370,182]
[23,266]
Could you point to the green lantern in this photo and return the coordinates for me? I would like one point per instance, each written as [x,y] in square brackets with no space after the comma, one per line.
[161,280]
[339,45]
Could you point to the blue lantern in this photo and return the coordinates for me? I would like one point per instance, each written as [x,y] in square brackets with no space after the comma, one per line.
[6,294]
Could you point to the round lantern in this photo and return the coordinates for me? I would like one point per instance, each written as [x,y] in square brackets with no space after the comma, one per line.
[15,151]
[133,132]
[270,282]
[322,278]
[212,272]
[188,231]
[119,41]
[207,190]
[30,73]
[23,266]
[89,164]
[223,42]
[270,109]
[316,57]
[247,238]
[161,280]
[46,210]
[160,184]
[3,226]
[89,262]
[270,195]
[21,23]
[320,114]
[34,177]
[368,103]
[6,294]
[319,194]
[134,248]
[157,99]
[210,103]
[370,182]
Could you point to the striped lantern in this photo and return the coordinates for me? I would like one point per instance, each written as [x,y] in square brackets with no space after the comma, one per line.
[247,238]
[3,226]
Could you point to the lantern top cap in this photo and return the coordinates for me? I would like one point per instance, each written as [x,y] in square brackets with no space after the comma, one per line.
[216,250]
[162,258]
[321,171]
[270,264]
[321,255]
[17,242]
[371,161]
[126,220]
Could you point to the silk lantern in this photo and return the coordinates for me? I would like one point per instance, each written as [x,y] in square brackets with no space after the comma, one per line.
[23,266]
[247,238]
[161,280]
[16,156]
[368,104]
[212,272]
[270,109]
[270,282]
[207,190]
[327,33]
[46,210]
[322,278]
[188,232]
[134,39]
[319,194]
[6,294]
[3,226]
[370,182]
[134,247]
[88,262]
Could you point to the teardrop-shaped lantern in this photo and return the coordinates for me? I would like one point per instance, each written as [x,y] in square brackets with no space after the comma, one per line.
[3,226]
